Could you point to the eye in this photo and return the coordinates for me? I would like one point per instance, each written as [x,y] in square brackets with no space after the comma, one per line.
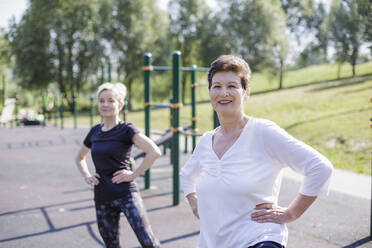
[216,86]
[232,86]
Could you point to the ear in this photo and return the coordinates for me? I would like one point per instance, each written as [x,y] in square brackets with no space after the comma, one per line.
[121,105]
[247,93]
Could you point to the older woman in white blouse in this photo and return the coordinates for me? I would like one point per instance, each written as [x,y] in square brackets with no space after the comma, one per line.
[232,180]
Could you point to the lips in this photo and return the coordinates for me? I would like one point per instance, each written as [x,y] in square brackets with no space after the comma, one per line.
[224,101]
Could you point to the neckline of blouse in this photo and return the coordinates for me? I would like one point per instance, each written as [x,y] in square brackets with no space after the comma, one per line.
[250,120]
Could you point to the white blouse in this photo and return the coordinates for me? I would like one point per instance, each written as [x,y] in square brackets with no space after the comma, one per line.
[248,174]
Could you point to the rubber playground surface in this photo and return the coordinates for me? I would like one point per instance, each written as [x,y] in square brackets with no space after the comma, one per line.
[46,203]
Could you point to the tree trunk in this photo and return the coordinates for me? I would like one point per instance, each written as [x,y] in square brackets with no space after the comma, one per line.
[281,74]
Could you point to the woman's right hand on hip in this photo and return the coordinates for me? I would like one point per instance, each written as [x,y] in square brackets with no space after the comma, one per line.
[193,201]
[93,180]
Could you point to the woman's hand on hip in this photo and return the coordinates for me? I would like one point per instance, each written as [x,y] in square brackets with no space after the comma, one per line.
[193,201]
[93,180]
[122,176]
[268,212]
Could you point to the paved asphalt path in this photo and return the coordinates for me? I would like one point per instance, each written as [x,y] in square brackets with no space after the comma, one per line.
[45,203]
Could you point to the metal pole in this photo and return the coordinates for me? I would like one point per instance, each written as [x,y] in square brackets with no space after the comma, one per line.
[193,105]
[109,65]
[102,74]
[170,146]
[74,97]
[176,120]
[147,77]
[186,143]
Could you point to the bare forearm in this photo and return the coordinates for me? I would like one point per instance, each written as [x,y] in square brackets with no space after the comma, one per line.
[268,212]
[193,201]
[300,205]
[83,168]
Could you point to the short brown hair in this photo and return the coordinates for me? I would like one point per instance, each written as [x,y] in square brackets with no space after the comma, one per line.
[226,63]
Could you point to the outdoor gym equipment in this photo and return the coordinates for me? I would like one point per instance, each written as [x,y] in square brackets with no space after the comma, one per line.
[175,104]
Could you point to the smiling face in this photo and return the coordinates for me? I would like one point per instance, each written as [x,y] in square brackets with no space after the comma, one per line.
[108,104]
[227,94]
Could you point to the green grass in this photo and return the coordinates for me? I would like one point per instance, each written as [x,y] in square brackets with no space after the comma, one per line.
[332,116]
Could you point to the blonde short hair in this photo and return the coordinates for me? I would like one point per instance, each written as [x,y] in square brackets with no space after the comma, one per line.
[119,90]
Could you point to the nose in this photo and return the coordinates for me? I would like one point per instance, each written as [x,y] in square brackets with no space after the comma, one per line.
[224,91]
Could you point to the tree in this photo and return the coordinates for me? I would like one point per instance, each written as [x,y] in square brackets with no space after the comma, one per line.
[346,30]
[214,40]
[307,20]
[185,19]
[133,28]
[365,11]
[300,15]
[56,41]
[5,53]
[257,31]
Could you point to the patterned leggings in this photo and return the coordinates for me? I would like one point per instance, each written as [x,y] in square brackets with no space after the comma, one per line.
[267,244]
[108,215]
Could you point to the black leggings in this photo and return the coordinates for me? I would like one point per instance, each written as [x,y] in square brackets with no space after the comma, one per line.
[108,215]
[267,244]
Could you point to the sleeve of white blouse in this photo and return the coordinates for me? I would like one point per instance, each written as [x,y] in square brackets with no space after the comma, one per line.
[190,172]
[288,151]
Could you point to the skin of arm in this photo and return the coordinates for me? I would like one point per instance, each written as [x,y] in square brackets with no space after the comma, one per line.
[272,213]
[83,167]
[193,201]
[152,153]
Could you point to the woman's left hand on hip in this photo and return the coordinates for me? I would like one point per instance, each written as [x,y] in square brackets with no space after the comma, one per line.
[268,212]
[121,176]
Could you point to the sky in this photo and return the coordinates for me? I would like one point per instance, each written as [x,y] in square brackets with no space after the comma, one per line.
[8,8]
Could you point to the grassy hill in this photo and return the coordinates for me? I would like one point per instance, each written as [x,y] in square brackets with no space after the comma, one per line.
[332,116]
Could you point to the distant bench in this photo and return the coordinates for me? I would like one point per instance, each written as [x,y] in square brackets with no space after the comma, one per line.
[7,112]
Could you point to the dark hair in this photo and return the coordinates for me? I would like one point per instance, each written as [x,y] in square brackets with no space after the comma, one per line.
[226,63]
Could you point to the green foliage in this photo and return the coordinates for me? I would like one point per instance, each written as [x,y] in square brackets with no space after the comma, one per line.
[5,53]
[133,28]
[257,32]
[62,43]
[55,41]
[300,14]
[347,29]
[185,29]
[365,11]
